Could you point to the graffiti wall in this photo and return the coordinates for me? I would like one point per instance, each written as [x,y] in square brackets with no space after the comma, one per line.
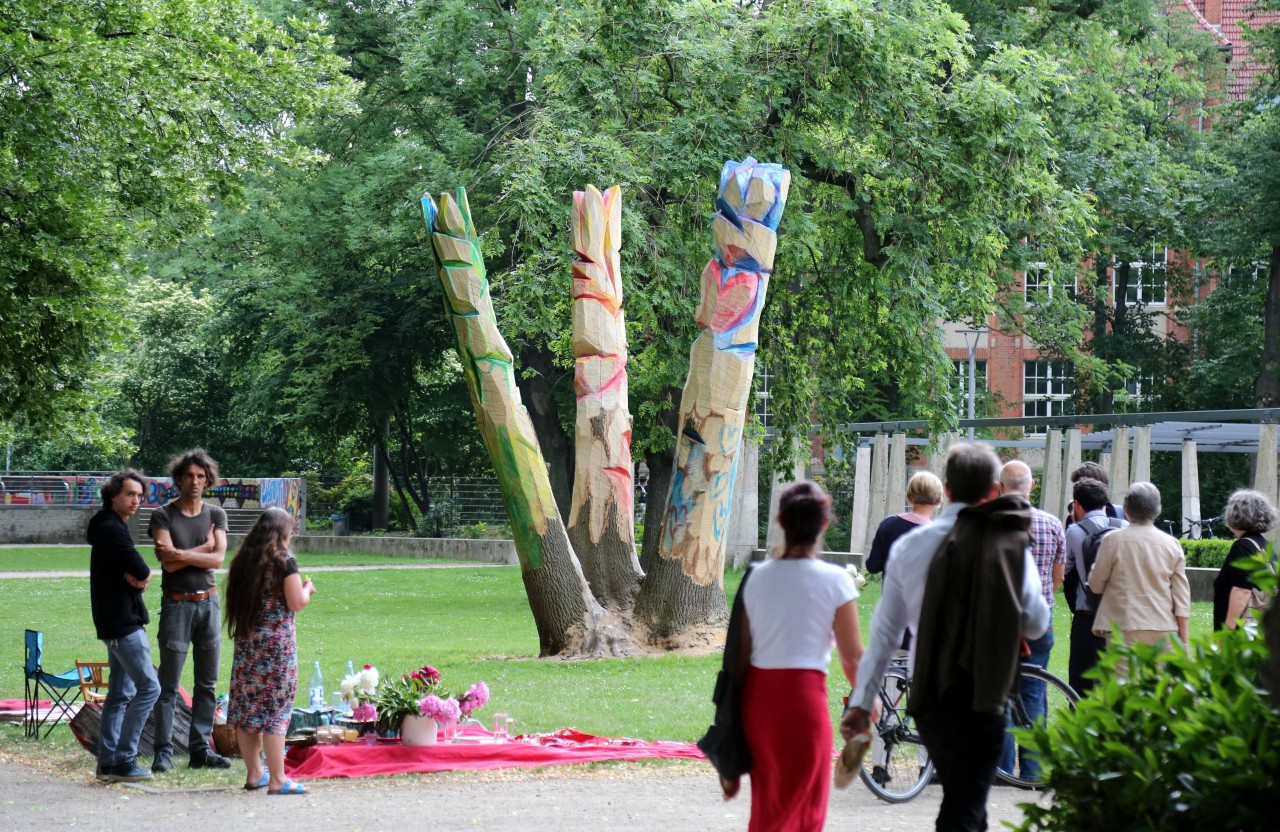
[55,490]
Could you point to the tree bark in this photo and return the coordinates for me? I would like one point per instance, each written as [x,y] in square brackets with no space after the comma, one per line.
[538,391]
[381,492]
[1266,389]
[567,616]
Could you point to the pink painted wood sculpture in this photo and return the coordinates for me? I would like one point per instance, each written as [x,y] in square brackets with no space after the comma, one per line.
[601,522]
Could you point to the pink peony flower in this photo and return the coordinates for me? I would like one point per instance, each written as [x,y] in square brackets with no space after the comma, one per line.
[364,713]
[474,699]
[441,710]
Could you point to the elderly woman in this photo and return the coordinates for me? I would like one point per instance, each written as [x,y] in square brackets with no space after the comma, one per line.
[1249,515]
[924,495]
[1141,574]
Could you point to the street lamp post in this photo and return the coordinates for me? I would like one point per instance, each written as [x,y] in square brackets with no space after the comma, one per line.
[971,337]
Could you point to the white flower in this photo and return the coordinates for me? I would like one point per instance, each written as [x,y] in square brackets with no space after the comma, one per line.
[348,686]
[367,679]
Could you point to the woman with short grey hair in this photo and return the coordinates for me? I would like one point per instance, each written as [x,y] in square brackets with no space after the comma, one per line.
[1249,515]
[1142,503]
[1141,574]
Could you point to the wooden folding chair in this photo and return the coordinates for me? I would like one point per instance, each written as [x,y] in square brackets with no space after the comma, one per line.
[93,678]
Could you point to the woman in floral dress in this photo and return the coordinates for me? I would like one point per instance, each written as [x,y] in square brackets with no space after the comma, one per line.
[263,592]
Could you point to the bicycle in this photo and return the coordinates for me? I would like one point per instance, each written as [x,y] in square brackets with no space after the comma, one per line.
[1031,683]
[897,767]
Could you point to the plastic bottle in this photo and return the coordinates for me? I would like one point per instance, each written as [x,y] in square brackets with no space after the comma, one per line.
[316,698]
[351,668]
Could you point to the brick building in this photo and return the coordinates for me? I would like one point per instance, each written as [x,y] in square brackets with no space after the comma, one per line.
[1013,378]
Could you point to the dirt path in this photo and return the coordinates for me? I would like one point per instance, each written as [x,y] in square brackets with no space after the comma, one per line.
[561,799]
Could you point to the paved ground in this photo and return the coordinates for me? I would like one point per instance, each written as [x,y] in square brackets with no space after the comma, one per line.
[562,799]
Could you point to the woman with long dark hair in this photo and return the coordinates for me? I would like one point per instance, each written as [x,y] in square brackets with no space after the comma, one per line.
[797,608]
[263,592]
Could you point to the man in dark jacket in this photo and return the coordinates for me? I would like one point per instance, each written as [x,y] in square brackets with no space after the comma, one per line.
[117,577]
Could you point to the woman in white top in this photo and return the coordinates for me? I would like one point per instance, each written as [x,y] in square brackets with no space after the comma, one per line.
[797,608]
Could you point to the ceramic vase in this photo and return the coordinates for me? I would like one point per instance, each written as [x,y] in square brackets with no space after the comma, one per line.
[418,730]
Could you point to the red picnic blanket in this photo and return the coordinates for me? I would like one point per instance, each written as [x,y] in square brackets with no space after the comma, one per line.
[476,750]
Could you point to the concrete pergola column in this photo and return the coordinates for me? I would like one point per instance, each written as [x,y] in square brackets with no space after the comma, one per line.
[861,500]
[1118,471]
[744,514]
[1072,463]
[896,493]
[1051,479]
[1190,486]
[1264,473]
[879,487]
[1141,454]
[936,462]
[776,484]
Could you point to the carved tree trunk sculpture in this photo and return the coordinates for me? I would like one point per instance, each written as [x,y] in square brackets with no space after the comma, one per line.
[685,588]
[566,614]
[601,517]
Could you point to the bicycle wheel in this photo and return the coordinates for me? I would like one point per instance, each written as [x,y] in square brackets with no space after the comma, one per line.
[897,767]
[1035,685]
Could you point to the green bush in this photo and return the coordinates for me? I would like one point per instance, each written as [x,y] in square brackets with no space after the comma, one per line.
[1183,740]
[1206,553]
[353,496]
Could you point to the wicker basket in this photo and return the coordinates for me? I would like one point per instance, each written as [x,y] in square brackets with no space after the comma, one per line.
[224,740]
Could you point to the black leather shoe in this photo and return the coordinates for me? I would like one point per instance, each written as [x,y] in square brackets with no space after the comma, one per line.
[163,762]
[210,760]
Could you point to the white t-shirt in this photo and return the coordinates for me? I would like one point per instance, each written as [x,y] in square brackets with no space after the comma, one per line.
[791,607]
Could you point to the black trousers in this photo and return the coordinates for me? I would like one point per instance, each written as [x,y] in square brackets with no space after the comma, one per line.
[965,747]
[1085,647]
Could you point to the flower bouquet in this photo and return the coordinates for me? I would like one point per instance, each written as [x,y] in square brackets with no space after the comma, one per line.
[398,698]
[476,697]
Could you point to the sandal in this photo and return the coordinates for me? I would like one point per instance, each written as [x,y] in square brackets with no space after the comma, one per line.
[290,787]
[262,784]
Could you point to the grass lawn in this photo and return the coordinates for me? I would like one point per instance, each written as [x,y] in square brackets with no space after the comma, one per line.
[472,624]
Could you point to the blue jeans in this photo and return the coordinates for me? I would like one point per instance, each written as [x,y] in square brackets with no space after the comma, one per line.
[188,626]
[1033,702]
[132,690]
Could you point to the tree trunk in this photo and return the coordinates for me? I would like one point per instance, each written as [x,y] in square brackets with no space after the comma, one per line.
[567,616]
[684,591]
[537,389]
[661,464]
[1266,390]
[602,517]
[381,491]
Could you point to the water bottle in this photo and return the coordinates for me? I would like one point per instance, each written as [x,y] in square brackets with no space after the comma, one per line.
[351,668]
[317,687]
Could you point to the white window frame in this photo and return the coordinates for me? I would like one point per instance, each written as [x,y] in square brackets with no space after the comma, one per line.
[1059,377]
[1142,282]
[960,378]
[763,398]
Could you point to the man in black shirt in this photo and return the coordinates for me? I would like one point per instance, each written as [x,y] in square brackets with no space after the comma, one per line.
[117,578]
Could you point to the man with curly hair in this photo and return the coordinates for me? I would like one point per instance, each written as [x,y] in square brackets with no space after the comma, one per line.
[191,542]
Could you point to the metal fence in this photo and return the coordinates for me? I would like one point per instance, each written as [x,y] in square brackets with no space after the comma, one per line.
[51,488]
[456,503]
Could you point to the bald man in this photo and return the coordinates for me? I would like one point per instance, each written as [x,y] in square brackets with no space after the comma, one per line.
[1049,548]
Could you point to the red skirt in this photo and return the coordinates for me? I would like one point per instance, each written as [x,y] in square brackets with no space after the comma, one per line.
[788,726]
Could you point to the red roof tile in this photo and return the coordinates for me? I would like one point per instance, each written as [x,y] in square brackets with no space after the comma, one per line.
[1234,12]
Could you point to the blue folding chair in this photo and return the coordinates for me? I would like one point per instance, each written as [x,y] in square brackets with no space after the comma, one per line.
[58,688]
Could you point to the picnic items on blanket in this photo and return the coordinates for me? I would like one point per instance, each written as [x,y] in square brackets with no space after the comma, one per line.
[86,725]
[475,749]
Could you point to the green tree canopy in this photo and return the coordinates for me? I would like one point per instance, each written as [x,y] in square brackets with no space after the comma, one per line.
[119,121]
